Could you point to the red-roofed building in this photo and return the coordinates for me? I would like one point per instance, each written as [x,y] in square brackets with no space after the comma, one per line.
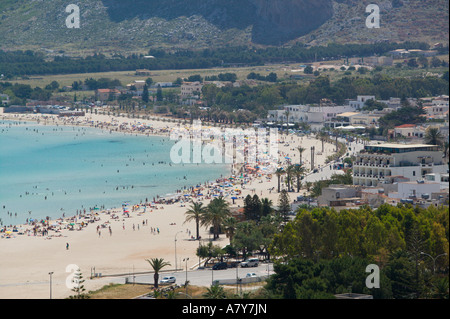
[409,131]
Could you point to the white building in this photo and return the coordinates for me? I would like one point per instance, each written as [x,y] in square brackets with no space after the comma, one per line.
[306,113]
[360,101]
[437,109]
[443,179]
[393,102]
[409,131]
[416,190]
[381,163]
[189,89]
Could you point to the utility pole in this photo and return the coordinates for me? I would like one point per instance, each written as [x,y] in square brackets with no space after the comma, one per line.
[176,265]
[186,282]
[50,273]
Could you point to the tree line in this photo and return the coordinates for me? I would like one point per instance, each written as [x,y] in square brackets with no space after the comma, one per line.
[252,234]
[261,99]
[399,239]
[23,63]
[323,252]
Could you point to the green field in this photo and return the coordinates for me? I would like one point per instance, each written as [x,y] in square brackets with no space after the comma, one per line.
[283,71]
[126,77]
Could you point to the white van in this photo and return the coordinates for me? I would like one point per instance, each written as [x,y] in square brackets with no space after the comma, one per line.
[251,262]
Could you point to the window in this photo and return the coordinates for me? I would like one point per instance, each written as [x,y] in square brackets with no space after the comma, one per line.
[414,173]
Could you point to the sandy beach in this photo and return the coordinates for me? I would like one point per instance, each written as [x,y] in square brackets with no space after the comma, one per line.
[26,260]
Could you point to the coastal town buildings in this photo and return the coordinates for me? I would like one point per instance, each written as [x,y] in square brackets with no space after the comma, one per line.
[106,94]
[313,115]
[408,131]
[334,116]
[191,88]
[378,164]
[436,107]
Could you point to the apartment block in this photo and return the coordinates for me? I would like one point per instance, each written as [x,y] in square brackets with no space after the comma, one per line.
[382,163]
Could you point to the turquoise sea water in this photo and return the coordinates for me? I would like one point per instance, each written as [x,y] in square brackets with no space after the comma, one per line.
[50,170]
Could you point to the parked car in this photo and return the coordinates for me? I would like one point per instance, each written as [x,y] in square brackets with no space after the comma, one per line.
[220,266]
[251,262]
[168,280]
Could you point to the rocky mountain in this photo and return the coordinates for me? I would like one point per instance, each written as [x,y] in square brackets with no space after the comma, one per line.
[137,25]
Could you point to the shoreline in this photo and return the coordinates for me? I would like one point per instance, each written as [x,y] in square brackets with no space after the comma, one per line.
[37,120]
[125,249]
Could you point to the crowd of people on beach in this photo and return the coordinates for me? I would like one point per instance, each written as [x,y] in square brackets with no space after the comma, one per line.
[47,228]
[112,125]
[229,187]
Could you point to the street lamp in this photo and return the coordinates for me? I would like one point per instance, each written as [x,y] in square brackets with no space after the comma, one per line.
[237,279]
[176,266]
[50,273]
[434,259]
[186,282]
[199,252]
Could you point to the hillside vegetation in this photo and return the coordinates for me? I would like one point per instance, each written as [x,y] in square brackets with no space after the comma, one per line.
[110,26]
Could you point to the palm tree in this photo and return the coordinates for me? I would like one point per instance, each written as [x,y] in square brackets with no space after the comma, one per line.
[440,288]
[280,171]
[209,251]
[195,212]
[322,135]
[216,212]
[289,173]
[298,171]
[157,264]
[301,150]
[266,207]
[229,225]
[214,292]
[433,136]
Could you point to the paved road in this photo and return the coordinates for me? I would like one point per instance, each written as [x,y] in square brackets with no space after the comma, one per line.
[325,172]
[203,277]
